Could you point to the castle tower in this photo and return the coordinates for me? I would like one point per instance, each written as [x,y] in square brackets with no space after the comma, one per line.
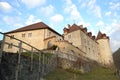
[105,52]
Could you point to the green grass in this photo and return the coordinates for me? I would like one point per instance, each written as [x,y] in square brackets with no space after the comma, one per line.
[36,57]
[97,74]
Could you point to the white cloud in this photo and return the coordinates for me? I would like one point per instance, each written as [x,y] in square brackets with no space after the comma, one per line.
[115,6]
[71,9]
[68,6]
[17,25]
[16,22]
[69,2]
[75,15]
[97,11]
[100,24]
[94,8]
[111,28]
[85,24]
[57,18]
[108,13]
[115,37]
[47,10]
[31,19]
[83,3]
[12,21]
[115,44]
[33,3]
[5,7]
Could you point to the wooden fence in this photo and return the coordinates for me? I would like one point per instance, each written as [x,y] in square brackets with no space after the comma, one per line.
[45,63]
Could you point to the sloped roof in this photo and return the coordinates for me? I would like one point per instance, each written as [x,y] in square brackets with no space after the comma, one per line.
[36,26]
[72,28]
[101,36]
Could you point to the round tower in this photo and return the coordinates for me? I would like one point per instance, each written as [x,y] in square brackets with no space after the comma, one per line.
[105,52]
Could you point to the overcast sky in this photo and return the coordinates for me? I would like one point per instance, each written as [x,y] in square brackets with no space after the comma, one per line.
[103,15]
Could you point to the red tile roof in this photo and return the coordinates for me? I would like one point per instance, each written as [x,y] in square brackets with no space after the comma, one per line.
[75,27]
[84,30]
[89,34]
[36,26]
[101,36]
[72,28]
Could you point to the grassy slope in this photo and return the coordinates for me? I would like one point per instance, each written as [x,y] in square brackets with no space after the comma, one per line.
[97,74]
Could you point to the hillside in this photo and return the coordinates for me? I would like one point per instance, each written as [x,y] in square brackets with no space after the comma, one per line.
[9,65]
[96,74]
[116,57]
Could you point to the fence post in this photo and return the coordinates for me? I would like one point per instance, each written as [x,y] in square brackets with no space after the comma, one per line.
[39,65]
[2,47]
[43,55]
[31,65]
[19,61]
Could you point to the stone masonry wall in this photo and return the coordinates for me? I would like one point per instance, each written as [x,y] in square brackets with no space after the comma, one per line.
[8,68]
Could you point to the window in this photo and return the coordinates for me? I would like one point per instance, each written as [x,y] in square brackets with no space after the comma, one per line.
[29,34]
[49,34]
[10,46]
[69,36]
[12,36]
[23,35]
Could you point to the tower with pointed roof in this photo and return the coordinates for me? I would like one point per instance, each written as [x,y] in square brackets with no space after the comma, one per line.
[104,49]
[94,48]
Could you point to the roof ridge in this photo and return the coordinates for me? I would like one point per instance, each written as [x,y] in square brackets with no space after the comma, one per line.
[35,26]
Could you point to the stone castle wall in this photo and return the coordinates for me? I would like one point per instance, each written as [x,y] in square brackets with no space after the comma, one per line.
[105,52]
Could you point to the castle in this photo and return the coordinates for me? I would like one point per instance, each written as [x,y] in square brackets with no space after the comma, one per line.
[75,40]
